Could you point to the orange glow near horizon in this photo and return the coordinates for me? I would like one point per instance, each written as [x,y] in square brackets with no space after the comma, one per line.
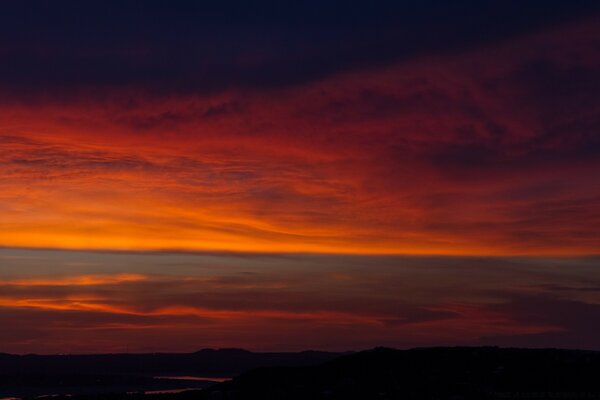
[319,168]
[170,185]
[267,305]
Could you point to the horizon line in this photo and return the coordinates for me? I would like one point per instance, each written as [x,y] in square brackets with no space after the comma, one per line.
[292,254]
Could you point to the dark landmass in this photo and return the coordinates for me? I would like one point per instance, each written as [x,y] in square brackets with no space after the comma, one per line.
[432,373]
[36,375]
[36,386]
[207,362]
[424,374]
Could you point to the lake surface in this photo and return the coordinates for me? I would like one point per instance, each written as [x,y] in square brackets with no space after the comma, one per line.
[194,378]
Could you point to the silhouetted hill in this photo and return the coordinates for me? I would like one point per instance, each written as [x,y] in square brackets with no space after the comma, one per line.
[430,373]
[207,362]
[35,375]
[469,373]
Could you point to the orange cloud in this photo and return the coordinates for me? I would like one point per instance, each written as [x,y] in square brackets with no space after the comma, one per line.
[457,154]
[84,280]
[183,302]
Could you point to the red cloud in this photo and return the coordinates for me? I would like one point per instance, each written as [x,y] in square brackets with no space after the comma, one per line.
[491,151]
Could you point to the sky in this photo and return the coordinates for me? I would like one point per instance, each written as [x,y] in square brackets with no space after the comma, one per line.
[283,176]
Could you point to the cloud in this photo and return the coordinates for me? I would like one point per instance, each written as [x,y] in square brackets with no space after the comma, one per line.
[82,280]
[244,173]
[575,322]
[274,302]
[486,150]
[194,48]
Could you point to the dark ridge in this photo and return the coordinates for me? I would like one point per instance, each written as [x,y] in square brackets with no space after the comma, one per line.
[427,373]
[442,373]
[207,362]
[97,374]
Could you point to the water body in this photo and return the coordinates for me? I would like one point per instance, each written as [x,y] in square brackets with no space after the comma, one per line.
[194,378]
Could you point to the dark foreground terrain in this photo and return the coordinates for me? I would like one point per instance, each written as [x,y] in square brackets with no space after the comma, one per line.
[37,375]
[432,373]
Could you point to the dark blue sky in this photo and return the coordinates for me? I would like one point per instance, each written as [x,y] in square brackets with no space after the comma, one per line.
[57,47]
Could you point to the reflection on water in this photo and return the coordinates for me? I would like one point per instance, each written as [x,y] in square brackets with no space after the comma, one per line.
[194,378]
[167,391]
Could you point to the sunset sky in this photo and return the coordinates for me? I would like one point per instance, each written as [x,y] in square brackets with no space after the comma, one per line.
[278,176]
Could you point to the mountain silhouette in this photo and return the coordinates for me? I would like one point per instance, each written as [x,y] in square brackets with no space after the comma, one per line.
[443,373]
[93,374]
[206,362]
[428,373]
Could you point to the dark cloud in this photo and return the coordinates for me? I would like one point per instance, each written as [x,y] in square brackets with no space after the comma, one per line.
[57,48]
[558,287]
[321,301]
[572,323]
[417,315]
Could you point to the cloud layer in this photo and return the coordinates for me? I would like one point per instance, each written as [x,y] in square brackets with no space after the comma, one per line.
[251,174]
[492,149]
[50,300]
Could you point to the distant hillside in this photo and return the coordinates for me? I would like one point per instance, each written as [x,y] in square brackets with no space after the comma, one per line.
[208,362]
[431,373]
[36,375]
[468,373]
